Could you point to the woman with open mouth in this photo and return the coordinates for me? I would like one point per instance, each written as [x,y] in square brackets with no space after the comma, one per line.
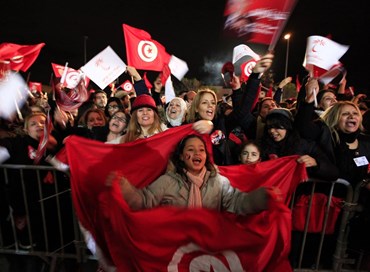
[192,181]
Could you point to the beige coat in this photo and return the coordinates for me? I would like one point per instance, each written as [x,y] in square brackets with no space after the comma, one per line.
[171,189]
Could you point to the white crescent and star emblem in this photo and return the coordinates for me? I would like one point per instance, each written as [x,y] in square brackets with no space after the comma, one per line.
[127,86]
[72,79]
[147,51]
[17,59]
[206,261]
[249,67]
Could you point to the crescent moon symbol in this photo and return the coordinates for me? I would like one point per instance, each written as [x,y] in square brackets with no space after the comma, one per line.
[147,51]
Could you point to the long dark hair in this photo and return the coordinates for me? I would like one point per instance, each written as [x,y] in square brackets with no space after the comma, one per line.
[288,146]
[177,165]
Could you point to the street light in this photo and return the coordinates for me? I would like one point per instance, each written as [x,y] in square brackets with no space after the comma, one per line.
[286,37]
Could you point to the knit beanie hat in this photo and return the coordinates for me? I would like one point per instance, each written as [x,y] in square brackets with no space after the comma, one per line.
[144,100]
[280,118]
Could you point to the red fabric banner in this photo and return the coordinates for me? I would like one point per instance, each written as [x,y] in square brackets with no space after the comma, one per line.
[174,238]
[142,51]
[19,57]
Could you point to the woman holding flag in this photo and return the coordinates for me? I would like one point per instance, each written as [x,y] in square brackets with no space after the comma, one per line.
[192,181]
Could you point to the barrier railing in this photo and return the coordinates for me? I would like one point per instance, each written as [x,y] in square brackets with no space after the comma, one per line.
[317,231]
[36,215]
[37,219]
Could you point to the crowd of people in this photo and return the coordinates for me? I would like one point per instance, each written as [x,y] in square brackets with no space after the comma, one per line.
[325,127]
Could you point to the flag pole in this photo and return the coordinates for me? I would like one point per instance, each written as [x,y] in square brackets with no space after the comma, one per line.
[280,27]
[27,81]
[63,78]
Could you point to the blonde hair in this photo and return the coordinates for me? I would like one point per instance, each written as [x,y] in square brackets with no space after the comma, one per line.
[193,115]
[332,115]
[134,129]
[29,116]
[83,119]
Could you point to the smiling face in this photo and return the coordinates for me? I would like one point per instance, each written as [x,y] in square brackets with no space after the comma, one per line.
[35,126]
[194,155]
[118,123]
[145,117]
[277,134]
[349,119]
[207,107]
[174,109]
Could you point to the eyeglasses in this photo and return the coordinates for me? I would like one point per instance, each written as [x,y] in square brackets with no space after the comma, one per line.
[112,107]
[123,120]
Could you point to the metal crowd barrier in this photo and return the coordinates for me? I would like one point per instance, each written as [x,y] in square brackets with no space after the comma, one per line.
[340,261]
[52,232]
[37,217]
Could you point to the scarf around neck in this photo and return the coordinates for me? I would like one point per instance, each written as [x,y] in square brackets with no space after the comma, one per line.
[348,137]
[195,196]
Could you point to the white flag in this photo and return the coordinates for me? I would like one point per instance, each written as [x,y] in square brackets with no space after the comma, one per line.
[323,53]
[178,67]
[241,51]
[104,68]
[13,94]
[169,91]
[4,154]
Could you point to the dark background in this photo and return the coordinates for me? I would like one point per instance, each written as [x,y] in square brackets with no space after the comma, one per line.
[192,30]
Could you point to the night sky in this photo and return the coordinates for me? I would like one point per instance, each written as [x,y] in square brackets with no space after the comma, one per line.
[192,30]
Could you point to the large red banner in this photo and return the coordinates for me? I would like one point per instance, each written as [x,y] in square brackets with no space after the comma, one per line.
[174,238]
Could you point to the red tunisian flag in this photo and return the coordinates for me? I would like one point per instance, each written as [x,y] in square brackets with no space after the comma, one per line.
[72,76]
[127,86]
[246,69]
[35,87]
[19,57]
[142,51]
[175,238]
[257,21]
[68,100]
